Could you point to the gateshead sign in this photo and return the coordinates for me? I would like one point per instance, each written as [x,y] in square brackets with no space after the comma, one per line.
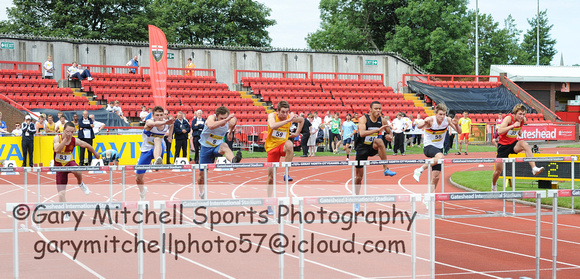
[548,132]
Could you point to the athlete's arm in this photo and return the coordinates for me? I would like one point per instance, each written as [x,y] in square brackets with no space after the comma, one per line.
[504,127]
[300,122]
[83,144]
[454,123]
[275,125]
[211,122]
[59,145]
[231,128]
[362,127]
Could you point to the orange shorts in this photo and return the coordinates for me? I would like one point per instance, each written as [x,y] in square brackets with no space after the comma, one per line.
[464,136]
[275,154]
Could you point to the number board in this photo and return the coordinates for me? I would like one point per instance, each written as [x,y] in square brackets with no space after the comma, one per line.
[556,170]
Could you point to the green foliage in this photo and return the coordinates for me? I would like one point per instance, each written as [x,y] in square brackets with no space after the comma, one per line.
[529,45]
[209,22]
[214,22]
[496,46]
[98,19]
[354,25]
[433,35]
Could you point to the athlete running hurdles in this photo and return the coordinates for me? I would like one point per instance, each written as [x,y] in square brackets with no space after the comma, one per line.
[212,142]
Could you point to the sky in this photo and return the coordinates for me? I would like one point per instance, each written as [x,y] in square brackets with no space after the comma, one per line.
[296,18]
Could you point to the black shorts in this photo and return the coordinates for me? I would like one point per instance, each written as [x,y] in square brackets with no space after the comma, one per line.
[363,152]
[430,151]
[504,151]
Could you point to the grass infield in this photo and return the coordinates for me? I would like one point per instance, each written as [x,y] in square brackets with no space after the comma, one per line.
[480,181]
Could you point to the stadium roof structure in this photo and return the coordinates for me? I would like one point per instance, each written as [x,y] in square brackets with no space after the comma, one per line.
[533,73]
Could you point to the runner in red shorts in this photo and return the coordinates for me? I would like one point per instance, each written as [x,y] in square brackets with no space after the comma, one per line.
[64,145]
[277,143]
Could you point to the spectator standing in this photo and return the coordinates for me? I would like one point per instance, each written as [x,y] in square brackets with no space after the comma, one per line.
[50,125]
[181,129]
[388,144]
[417,139]
[3,128]
[133,63]
[28,131]
[335,133]
[465,123]
[40,124]
[327,120]
[168,138]
[306,134]
[17,132]
[97,126]
[197,125]
[60,124]
[75,72]
[190,65]
[143,114]
[87,135]
[76,121]
[313,135]
[48,68]
[399,126]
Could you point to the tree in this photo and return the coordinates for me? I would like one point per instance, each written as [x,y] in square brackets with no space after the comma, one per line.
[354,24]
[529,45]
[214,22]
[102,19]
[432,34]
[496,46]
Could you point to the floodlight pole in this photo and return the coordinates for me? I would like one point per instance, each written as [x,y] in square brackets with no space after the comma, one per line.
[477,38]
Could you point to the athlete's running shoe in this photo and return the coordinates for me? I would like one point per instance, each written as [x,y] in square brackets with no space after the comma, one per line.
[417,173]
[84,188]
[142,194]
[389,172]
[237,158]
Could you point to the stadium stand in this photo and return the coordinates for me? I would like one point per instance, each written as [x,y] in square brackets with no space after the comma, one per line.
[336,92]
[27,88]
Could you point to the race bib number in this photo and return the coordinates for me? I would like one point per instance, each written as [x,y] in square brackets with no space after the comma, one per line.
[513,133]
[334,125]
[437,138]
[213,140]
[279,134]
[63,158]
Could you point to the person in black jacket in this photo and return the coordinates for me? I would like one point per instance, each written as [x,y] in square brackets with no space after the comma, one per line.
[87,135]
[181,129]
[28,131]
[197,124]
[305,136]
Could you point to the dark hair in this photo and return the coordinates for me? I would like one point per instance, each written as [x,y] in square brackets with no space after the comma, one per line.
[282,104]
[158,108]
[69,124]
[375,103]
[222,111]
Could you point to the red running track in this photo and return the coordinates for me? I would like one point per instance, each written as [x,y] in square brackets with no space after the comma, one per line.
[497,247]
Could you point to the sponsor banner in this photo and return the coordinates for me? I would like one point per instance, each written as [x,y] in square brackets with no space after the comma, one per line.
[575,193]
[356,199]
[328,163]
[220,203]
[485,196]
[548,132]
[396,162]
[483,160]
[240,165]
[158,65]
[78,206]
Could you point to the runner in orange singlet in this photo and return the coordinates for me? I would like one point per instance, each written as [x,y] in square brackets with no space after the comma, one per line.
[277,143]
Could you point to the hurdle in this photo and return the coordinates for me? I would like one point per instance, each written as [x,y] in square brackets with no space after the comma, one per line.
[22,211]
[322,200]
[220,203]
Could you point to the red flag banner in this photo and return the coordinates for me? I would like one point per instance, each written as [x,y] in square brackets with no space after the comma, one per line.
[158,65]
